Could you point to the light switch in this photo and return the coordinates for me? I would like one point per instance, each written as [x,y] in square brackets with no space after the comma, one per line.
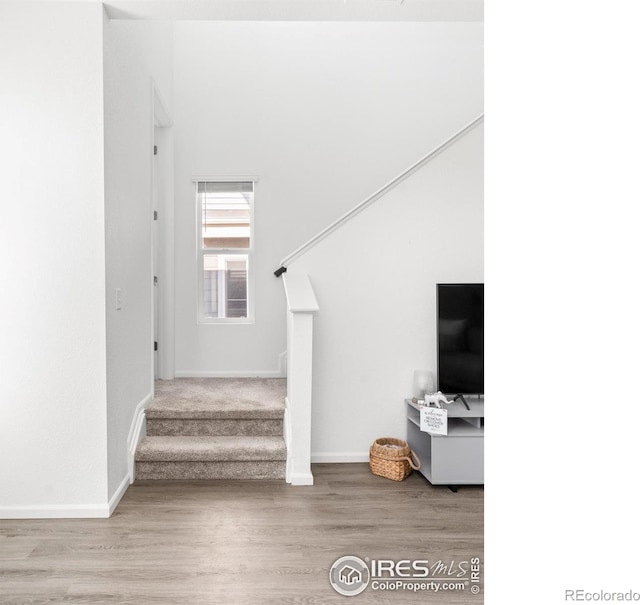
[118,299]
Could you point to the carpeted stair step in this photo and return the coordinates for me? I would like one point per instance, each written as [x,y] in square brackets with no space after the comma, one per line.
[214,427]
[217,457]
[217,406]
[211,448]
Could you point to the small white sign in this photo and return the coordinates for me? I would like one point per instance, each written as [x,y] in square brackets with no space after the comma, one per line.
[433,421]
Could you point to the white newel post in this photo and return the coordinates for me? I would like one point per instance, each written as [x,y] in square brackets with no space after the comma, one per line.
[301,306]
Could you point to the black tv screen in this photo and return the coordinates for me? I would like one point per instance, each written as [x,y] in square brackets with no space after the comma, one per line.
[461,338]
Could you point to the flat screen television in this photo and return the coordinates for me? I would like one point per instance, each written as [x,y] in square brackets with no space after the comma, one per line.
[460,338]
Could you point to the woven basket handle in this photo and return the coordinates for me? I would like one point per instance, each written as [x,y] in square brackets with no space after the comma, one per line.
[418,465]
[415,466]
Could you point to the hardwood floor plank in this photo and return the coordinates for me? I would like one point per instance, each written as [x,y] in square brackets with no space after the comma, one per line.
[236,543]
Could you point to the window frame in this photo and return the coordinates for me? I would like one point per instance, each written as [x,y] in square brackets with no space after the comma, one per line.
[201,252]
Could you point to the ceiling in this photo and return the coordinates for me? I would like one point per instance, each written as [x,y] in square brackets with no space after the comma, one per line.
[298,10]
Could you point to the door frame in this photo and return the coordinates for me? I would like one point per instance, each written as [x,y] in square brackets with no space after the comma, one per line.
[162,238]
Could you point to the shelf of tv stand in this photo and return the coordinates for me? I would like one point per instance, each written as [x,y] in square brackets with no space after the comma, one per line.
[458,457]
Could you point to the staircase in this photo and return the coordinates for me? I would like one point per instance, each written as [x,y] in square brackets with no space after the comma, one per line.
[214,428]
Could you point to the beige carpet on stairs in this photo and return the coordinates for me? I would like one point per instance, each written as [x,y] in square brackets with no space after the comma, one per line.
[214,428]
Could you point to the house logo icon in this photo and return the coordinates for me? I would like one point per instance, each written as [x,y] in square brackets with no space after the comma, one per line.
[349,576]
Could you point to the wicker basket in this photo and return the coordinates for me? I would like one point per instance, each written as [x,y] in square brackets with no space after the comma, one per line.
[392,458]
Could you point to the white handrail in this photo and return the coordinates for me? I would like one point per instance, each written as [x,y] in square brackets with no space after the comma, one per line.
[379,193]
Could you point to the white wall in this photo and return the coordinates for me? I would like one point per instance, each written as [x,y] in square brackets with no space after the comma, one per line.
[134,53]
[53,433]
[324,113]
[375,281]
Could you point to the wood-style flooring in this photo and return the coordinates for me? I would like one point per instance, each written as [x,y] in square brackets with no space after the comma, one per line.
[237,543]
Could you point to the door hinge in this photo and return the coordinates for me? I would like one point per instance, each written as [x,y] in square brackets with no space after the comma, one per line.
[155,150]
[155,215]
[155,280]
[155,345]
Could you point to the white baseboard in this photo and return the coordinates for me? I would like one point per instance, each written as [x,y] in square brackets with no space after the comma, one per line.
[135,434]
[229,374]
[339,457]
[54,511]
[282,363]
[117,496]
[300,479]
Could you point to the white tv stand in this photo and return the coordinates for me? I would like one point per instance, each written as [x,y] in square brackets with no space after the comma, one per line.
[458,457]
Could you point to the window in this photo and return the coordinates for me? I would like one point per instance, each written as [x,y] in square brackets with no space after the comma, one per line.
[225,246]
